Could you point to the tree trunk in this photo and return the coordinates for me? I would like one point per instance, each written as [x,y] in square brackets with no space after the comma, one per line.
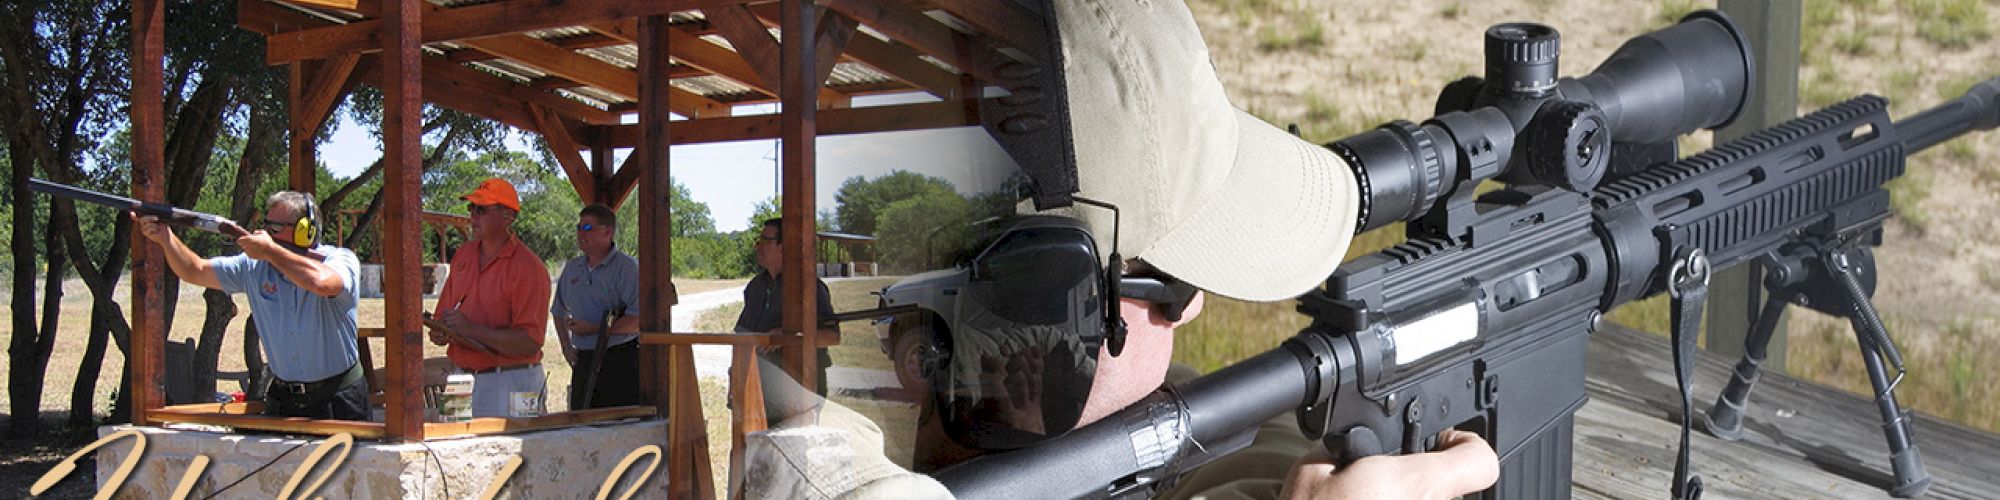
[83,394]
[208,353]
[26,409]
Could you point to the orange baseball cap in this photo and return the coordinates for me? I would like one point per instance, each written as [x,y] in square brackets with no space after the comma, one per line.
[495,191]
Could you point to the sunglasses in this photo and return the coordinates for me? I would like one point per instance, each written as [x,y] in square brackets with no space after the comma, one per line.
[478,210]
[585,228]
[274,226]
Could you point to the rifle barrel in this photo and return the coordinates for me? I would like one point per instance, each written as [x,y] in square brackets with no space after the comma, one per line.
[76,193]
[1978,109]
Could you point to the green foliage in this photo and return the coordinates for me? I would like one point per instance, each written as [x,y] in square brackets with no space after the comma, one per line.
[860,202]
[918,233]
[1951,23]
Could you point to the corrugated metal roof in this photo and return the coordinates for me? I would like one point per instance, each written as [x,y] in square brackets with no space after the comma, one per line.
[626,56]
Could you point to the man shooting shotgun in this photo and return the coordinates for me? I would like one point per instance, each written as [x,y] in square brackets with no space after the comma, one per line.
[303,293]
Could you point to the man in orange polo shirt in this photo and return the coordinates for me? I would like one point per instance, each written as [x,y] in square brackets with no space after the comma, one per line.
[495,303]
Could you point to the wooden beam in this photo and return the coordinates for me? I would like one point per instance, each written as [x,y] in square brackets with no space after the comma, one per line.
[585,69]
[316,87]
[921,116]
[474,21]
[626,179]
[149,183]
[602,167]
[830,40]
[291,425]
[493,425]
[402,156]
[467,79]
[1004,21]
[798,133]
[578,42]
[667,374]
[567,153]
[561,62]
[890,57]
[693,51]
[907,25]
[748,35]
[747,405]
[347,5]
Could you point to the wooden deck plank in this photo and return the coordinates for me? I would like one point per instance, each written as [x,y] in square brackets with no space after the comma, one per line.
[1801,440]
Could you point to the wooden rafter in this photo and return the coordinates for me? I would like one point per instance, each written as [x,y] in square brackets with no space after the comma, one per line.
[1002,20]
[588,70]
[830,41]
[921,116]
[747,34]
[324,88]
[566,151]
[475,21]
[579,42]
[892,58]
[493,97]
[745,68]
[910,26]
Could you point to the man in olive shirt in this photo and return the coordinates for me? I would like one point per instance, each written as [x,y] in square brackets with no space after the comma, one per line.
[763,301]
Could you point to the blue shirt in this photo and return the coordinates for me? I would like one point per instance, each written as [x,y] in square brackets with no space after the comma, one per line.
[306,337]
[584,292]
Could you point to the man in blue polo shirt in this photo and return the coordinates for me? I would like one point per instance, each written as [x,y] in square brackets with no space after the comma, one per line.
[303,295]
[602,279]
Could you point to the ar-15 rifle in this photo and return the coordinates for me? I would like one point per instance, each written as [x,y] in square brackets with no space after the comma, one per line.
[167,214]
[1480,321]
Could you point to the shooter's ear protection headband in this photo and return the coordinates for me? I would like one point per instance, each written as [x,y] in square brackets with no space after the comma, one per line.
[305,231]
[1021,350]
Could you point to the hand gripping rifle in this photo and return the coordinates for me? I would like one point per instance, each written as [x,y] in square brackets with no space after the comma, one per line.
[168,214]
[1480,321]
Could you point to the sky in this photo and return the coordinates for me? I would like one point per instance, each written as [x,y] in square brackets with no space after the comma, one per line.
[732,177]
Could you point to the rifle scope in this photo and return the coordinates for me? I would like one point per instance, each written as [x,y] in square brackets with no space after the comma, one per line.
[1524,126]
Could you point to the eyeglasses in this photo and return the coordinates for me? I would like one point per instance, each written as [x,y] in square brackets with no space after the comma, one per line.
[477,210]
[585,228]
[274,226]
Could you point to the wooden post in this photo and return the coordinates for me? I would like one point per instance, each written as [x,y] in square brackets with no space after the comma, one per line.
[799,96]
[671,380]
[402,156]
[602,165]
[304,157]
[149,184]
[1738,293]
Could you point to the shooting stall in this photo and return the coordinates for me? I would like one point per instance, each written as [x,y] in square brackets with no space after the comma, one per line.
[576,72]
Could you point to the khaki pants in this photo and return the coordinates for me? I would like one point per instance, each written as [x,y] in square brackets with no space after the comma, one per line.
[492,393]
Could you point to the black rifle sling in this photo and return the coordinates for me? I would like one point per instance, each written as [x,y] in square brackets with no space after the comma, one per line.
[1687,305]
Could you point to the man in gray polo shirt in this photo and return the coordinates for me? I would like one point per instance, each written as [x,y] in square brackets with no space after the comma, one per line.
[303,294]
[602,279]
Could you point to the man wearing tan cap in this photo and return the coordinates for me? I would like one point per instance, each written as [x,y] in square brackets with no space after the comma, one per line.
[1223,201]
[495,306]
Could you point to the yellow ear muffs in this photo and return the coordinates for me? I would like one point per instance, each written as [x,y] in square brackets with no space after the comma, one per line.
[305,231]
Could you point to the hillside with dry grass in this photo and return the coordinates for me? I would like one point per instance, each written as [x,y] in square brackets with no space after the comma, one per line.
[1339,67]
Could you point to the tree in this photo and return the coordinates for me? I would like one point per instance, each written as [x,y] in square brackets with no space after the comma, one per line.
[923,232]
[60,65]
[859,203]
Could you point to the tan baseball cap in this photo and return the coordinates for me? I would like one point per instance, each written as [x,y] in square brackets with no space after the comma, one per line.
[1208,193]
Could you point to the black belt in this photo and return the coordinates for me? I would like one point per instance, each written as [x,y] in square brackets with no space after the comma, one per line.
[502,368]
[352,374]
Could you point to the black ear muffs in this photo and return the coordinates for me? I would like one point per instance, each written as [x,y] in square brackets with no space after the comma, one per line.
[305,232]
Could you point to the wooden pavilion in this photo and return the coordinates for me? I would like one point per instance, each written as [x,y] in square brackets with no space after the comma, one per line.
[589,76]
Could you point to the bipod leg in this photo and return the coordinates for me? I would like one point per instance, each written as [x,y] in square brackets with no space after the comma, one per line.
[1911,478]
[1725,419]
